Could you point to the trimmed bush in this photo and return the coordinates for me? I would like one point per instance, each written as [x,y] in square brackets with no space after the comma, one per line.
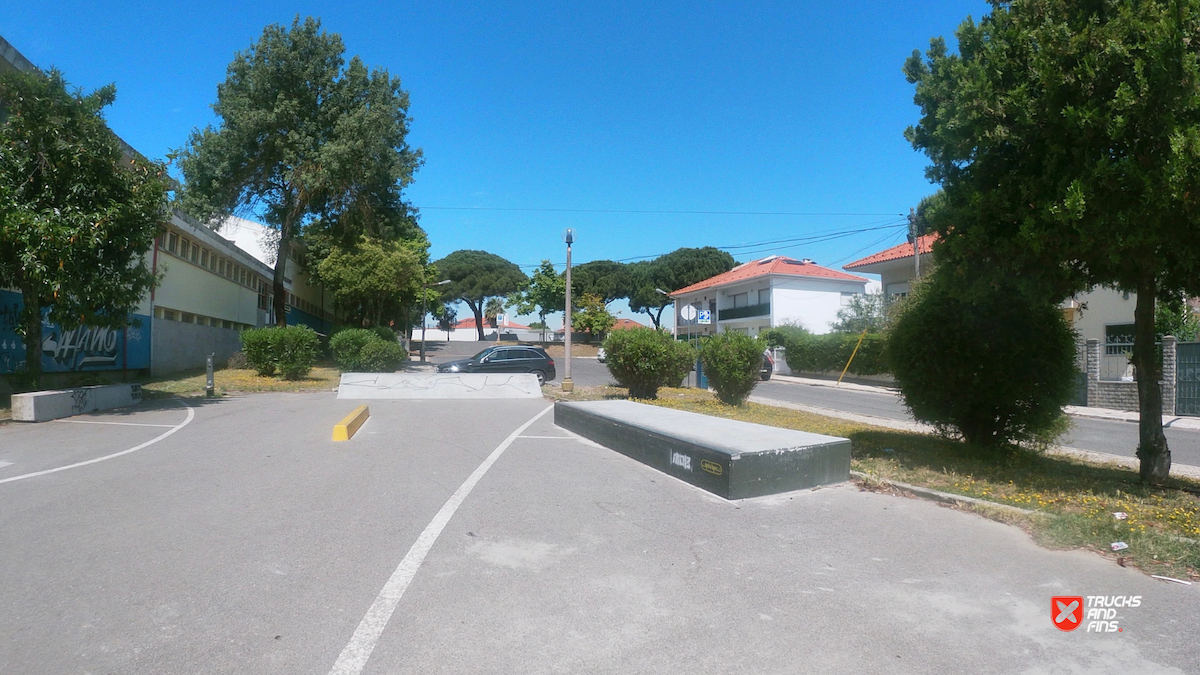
[644,359]
[384,333]
[347,345]
[258,345]
[732,362]
[829,353]
[296,349]
[996,368]
[237,361]
[379,356]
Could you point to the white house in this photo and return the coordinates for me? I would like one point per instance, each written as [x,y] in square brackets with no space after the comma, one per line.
[762,294]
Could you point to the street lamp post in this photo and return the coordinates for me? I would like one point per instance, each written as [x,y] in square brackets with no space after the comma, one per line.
[425,313]
[568,385]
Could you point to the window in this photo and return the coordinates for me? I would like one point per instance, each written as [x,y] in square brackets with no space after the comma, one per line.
[188,318]
[847,298]
[221,267]
[1118,339]
[764,296]
[739,300]
[185,247]
[229,324]
[172,242]
[168,314]
[204,258]
[195,256]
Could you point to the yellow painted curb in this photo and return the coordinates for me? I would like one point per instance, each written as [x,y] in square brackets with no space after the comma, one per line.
[350,423]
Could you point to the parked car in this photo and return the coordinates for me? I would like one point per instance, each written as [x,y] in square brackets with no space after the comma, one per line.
[506,359]
[768,366]
[601,355]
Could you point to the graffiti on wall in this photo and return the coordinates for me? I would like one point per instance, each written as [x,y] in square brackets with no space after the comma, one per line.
[84,348]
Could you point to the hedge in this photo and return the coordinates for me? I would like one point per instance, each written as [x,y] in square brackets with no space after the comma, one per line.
[644,359]
[829,353]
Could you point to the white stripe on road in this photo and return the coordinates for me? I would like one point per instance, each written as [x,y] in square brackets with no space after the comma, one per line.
[354,657]
[118,424]
[561,438]
[4,464]
[191,414]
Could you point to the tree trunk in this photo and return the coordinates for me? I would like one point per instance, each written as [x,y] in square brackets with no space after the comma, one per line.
[657,318]
[477,310]
[1152,449]
[33,338]
[281,257]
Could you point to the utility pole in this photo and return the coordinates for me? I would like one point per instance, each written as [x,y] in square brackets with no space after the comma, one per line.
[568,385]
[425,311]
[915,230]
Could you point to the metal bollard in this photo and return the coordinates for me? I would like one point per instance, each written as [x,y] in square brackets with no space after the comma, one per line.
[208,381]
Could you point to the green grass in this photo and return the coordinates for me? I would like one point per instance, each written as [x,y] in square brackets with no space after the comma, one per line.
[232,380]
[1074,499]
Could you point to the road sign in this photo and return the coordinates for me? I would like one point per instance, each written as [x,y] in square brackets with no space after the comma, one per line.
[687,313]
[705,317]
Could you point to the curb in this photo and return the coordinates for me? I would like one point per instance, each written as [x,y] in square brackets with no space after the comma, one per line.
[941,497]
[345,430]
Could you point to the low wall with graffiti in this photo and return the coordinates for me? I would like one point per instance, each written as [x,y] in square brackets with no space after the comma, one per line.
[87,348]
[184,346]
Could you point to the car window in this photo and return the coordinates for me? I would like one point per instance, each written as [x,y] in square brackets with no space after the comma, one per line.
[500,355]
[530,354]
[483,353]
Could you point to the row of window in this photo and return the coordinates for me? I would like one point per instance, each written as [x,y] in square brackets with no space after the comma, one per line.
[199,320]
[193,252]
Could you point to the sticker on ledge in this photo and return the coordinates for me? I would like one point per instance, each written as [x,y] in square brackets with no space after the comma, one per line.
[681,460]
[711,467]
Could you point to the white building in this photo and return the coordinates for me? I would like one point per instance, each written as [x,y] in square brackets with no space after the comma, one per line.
[762,294]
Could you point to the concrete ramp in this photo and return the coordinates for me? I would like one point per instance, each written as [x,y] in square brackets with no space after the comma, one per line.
[438,386]
[732,459]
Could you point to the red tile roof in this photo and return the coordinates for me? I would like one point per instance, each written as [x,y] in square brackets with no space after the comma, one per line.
[904,250]
[624,324]
[469,322]
[775,264]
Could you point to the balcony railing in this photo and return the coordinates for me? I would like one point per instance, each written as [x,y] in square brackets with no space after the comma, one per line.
[744,312]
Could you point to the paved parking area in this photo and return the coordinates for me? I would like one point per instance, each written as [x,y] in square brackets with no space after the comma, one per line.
[247,541]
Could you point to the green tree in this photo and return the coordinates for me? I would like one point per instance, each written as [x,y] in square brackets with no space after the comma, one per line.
[546,293]
[1174,316]
[732,361]
[493,310]
[76,218]
[866,311]
[965,361]
[374,281]
[304,138]
[592,317]
[605,279]
[477,276]
[670,272]
[1066,136]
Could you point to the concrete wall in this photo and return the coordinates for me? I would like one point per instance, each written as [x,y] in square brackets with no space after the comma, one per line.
[193,289]
[182,346]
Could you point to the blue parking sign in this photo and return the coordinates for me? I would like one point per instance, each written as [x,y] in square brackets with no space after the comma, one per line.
[705,317]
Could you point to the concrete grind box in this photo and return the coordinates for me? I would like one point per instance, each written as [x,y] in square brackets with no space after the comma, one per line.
[732,459]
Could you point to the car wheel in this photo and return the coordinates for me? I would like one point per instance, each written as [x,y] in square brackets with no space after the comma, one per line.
[540,376]
[765,376]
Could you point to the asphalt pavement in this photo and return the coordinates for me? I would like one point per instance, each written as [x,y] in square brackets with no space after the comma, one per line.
[245,541]
[1107,436]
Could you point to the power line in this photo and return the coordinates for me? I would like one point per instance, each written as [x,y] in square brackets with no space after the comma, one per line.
[769,246]
[653,211]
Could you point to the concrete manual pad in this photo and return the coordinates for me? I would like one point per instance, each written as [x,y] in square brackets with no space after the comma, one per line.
[43,406]
[732,459]
[438,386]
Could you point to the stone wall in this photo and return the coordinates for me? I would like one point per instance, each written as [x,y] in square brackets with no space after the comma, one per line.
[1119,395]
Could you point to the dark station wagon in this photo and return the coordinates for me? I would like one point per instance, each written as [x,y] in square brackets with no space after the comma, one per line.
[500,359]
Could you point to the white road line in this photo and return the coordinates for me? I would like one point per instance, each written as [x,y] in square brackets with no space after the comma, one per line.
[4,464]
[561,438]
[191,414]
[119,424]
[354,657]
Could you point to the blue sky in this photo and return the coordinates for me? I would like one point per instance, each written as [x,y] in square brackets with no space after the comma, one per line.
[792,107]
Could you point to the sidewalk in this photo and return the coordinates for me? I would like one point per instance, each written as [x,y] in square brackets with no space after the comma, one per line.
[1169,421]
